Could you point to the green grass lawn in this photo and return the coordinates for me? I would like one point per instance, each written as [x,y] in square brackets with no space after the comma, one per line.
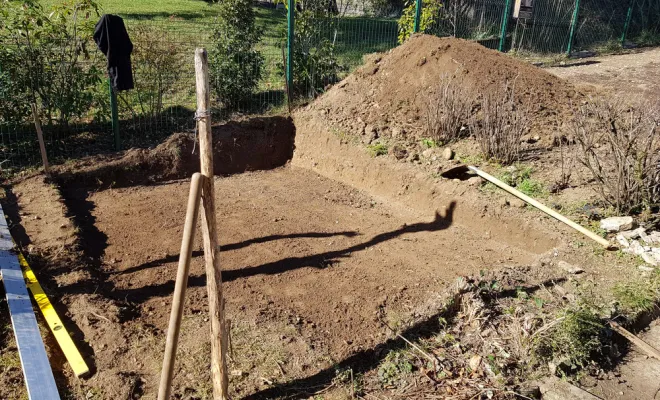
[187,24]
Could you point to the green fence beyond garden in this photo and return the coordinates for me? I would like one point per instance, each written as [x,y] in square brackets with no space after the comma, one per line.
[48,59]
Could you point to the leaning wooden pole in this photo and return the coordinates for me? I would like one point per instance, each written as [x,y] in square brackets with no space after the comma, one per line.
[178,300]
[213,274]
[602,241]
[40,137]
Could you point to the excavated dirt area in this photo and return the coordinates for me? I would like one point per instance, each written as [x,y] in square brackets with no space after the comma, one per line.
[390,93]
[322,247]
[310,265]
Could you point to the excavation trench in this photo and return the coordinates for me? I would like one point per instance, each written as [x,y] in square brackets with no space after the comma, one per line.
[314,253]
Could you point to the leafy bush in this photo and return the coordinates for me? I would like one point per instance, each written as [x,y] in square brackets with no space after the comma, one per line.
[43,58]
[621,148]
[235,65]
[157,60]
[315,64]
[429,16]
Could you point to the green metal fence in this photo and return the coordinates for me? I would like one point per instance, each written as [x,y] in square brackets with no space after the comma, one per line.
[317,47]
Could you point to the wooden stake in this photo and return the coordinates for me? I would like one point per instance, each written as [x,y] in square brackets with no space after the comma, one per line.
[213,273]
[642,345]
[180,286]
[603,242]
[40,136]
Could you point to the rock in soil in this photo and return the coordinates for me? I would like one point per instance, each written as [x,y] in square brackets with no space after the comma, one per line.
[517,203]
[650,258]
[448,153]
[398,151]
[634,234]
[571,269]
[622,240]
[616,224]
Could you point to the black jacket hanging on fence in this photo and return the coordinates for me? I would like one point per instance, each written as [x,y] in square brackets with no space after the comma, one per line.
[111,37]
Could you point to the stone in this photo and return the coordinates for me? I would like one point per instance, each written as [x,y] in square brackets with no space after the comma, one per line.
[622,240]
[474,181]
[655,236]
[517,203]
[427,153]
[616,224]
[398,151]
[651,258]
[397,132]
[635,248]
[448,153]
[475,362]
[370,134]
[634,234]
[646,268]
[571,269]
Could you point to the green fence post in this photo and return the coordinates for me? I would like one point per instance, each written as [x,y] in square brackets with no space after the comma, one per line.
[418,15]
[505,23]
[115,116]
[289,45]
[627,25]
[573,25]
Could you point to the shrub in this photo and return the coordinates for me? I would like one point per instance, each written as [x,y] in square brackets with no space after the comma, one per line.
[448,111]
[571,338]
[501,126]
[235,65]
[315,64]
[428,18]
[42,57]
[157,61]
[621,148]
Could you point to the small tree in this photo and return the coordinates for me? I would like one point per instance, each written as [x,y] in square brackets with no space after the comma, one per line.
[42,57]
[315,63]
[235,65]
[429,16]
[157,60]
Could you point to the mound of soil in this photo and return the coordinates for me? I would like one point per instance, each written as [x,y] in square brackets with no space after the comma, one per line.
[389,95]
[250,145]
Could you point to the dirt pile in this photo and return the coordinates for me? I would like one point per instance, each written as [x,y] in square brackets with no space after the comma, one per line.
[250,145]
[389,95]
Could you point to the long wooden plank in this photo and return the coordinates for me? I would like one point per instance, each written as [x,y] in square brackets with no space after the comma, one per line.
[62,336]
[38,374]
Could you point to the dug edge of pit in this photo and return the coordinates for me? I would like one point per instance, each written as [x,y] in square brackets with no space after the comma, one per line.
[52,222]
[330,155]
[253,144]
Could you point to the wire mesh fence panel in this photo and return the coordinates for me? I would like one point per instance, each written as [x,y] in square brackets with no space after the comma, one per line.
[478,20]
[600,24]
[644,26]
[65,76]
[547,31]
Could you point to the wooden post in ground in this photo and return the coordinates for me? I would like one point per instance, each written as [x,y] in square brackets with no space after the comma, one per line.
[40,136]
[179,297]
[213,274]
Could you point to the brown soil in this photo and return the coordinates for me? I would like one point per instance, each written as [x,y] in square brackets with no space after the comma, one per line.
[310,268]
[250,145]
[630,76]
[316,254]
[390,90]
